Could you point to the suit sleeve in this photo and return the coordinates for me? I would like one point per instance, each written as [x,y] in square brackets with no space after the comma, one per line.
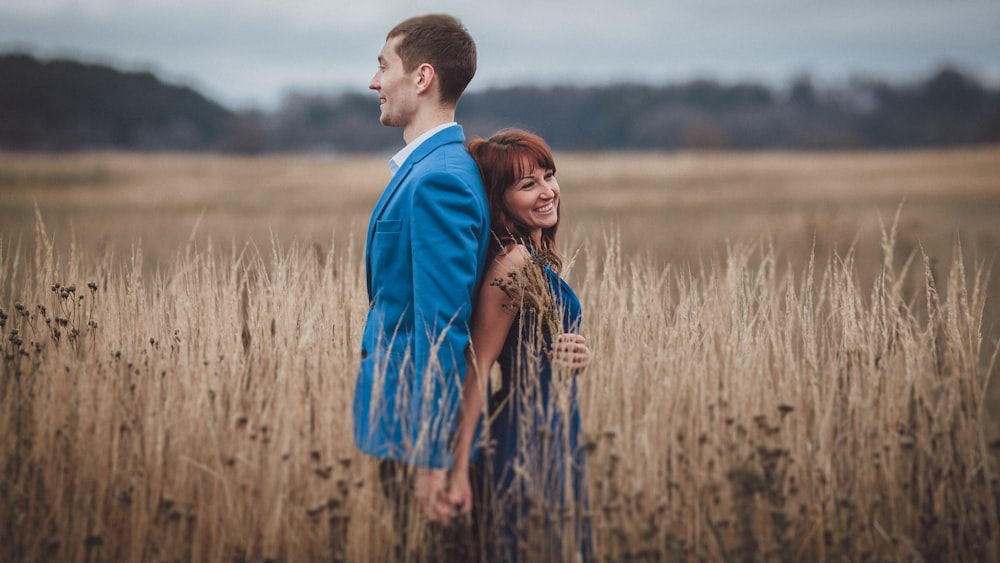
[445,224]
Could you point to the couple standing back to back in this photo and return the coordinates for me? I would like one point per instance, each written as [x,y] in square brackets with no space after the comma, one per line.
[445,229]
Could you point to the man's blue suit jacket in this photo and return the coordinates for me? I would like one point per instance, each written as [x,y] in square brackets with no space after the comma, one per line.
[424,257]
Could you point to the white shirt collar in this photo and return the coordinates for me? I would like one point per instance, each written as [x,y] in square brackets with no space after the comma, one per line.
[400,157]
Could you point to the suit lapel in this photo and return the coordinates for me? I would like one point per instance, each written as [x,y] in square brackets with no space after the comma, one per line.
[383,200]
[443,137]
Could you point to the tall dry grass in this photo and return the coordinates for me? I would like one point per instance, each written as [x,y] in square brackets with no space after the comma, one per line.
[196,414]
[738,409]
[754,412]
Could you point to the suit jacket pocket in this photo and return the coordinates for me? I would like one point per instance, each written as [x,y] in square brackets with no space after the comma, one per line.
[387,243]
[388,226]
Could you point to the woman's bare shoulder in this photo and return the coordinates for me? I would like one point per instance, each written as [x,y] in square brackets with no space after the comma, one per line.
[512,257]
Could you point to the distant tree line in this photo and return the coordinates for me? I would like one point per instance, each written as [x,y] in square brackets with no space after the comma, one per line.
[65,105]
[948,108]
[61,105]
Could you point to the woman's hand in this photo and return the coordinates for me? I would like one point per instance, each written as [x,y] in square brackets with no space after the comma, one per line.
[459,489]
[571,351]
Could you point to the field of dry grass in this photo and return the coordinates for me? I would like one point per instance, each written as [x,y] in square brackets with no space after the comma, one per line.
[783,369]
[675,206]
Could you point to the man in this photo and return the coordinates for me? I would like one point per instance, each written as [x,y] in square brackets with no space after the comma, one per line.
[425,251]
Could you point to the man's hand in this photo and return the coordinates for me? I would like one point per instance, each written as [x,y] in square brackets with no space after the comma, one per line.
[430,486]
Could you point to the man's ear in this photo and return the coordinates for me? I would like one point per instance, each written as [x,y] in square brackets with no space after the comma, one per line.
[425,78]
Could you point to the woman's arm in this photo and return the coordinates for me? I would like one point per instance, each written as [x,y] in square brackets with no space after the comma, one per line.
[492,319]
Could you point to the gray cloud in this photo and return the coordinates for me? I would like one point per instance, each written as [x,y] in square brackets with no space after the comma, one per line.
[248,52]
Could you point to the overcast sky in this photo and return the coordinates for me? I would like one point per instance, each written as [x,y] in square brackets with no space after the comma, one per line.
[248,53]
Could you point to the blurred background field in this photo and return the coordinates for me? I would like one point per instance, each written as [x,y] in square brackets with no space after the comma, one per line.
[677,206]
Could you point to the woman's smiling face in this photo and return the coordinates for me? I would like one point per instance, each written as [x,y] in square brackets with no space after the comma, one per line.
[533,200]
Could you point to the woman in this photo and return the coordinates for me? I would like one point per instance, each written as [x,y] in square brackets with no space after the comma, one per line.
[531,470]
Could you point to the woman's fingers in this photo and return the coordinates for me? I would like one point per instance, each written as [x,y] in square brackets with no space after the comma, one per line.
[570,342]
[571,350]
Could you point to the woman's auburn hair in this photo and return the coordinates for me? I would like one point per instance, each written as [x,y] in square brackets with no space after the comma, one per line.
[504,159]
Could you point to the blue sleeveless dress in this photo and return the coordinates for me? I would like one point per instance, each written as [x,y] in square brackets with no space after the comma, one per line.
[534,470]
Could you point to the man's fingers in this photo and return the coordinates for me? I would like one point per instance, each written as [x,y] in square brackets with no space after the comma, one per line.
[443,507]
[435,508]
[447,504]
[438,511]
[442,513]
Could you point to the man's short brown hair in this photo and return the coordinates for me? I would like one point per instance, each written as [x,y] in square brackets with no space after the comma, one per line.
[443,42]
